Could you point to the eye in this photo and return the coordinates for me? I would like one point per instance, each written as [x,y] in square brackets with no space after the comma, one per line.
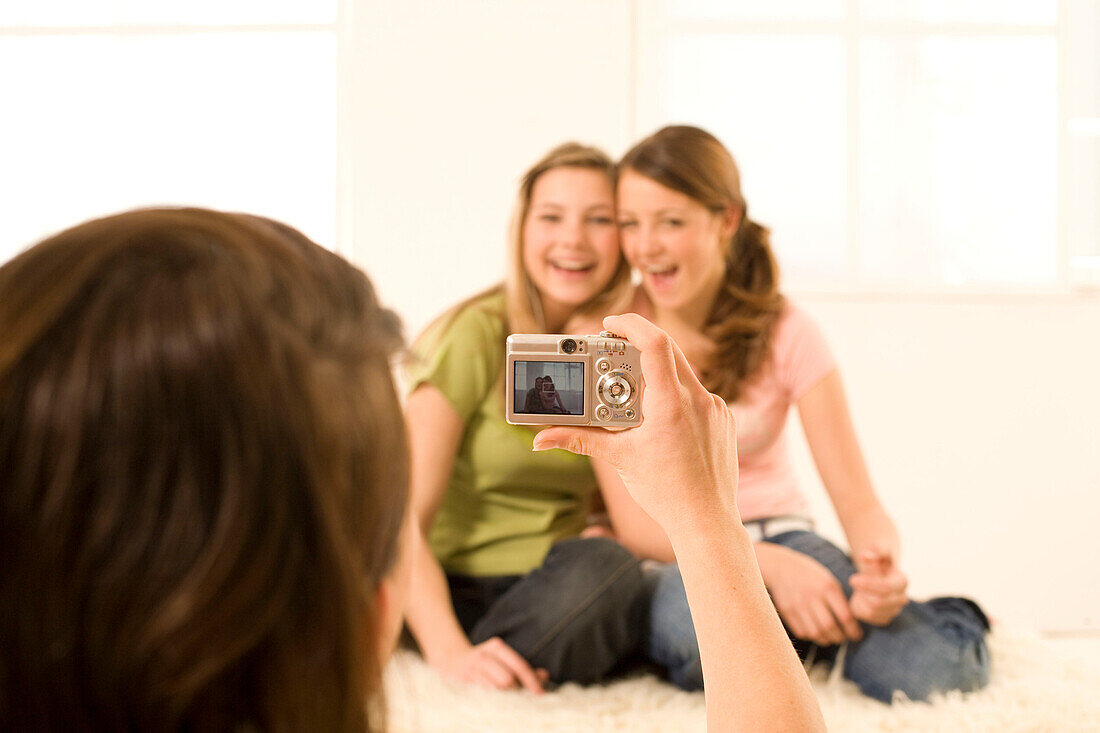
[550,218]
[627,224]
[674,223]
[601,220]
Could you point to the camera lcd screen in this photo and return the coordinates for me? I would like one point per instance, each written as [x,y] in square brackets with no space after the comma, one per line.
[549,388]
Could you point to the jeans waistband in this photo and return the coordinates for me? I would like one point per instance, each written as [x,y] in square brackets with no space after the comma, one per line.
[761,529]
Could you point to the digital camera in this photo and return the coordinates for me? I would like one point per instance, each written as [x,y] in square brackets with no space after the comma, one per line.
[555,379]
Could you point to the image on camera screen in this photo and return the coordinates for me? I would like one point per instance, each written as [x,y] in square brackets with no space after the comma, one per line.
[549,388]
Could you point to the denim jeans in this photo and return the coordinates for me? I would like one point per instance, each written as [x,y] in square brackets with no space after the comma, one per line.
[932,646]
[578,615]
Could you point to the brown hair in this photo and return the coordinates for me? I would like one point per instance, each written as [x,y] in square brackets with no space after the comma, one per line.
[204,477]
[741,319]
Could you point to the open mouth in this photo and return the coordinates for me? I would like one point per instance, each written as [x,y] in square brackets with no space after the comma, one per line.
[572,268]
[661,277]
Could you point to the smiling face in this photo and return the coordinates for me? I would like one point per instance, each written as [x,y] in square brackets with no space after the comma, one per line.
[570,239]
[677,244]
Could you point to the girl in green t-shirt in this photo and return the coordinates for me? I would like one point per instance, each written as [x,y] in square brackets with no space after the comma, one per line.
[505,591]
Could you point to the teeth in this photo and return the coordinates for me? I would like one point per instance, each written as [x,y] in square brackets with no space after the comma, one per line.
[660,270]
[571,266]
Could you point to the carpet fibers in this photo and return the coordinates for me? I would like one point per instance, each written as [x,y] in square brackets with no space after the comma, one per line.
[1036,685]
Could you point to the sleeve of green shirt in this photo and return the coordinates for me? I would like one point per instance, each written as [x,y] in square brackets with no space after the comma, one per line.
[461,357]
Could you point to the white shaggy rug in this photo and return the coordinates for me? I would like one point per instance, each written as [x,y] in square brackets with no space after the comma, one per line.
[1036,685]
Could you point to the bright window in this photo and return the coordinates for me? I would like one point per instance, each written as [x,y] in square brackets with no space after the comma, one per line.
[895,144]
[227,104]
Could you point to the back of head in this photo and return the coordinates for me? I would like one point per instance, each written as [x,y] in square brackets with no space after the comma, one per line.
[203,475]
[693,162]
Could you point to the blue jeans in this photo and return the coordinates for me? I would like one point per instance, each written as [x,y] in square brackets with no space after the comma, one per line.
[578,615]
[932,646]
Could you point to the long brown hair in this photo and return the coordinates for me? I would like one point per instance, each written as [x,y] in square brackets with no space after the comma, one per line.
[203,478]
[742,318]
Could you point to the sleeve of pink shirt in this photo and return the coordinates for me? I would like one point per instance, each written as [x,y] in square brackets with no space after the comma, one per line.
[802,356]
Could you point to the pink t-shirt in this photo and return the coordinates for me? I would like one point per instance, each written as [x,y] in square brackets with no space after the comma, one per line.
[800,358]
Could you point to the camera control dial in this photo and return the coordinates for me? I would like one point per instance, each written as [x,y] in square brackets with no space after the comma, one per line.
[616,389]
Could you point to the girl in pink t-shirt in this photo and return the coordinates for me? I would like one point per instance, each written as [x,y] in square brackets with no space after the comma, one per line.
[709,279]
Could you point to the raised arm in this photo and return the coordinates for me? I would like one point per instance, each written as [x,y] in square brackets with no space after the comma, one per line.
[680,466]
[435,432]
[879,587]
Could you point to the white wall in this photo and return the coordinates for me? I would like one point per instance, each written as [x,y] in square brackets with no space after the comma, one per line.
[980,420]
[980,417]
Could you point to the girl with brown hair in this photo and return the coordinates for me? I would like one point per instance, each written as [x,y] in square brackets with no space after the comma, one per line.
[710,280]
[201,480]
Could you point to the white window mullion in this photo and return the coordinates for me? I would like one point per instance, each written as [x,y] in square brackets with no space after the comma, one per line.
[159,29]
[852,43]
[346,127]
[1065,165]
[1079,149]
[635,16]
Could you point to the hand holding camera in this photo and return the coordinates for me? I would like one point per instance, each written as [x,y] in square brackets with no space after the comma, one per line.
[681,463]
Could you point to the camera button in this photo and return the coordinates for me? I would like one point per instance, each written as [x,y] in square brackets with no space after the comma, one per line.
[603,366]
[619,346]
[603,412]
[630,414]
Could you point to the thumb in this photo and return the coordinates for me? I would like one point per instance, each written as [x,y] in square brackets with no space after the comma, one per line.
[874,560]
[594,442]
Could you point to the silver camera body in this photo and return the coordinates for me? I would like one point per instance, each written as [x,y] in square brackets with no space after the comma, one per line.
[557,379]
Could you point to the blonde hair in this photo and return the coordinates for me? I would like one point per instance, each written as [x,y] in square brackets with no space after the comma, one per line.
[522,301]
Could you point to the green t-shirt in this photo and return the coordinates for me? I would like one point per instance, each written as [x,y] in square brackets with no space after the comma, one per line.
[505,505]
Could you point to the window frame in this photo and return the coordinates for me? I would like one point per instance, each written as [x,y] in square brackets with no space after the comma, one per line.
[342,29]
[1077,268]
